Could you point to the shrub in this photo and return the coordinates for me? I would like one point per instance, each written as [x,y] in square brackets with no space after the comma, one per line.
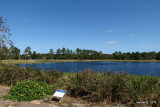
[29,90]
[143,88]
[114,87]
[11,74]
[97,86]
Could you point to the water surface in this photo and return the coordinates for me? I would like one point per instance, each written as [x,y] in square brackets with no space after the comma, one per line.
[134,68]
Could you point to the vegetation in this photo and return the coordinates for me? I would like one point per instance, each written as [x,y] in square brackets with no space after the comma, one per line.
[14,53]
[111,87]
[95,87]
[69,60]
[4,38]
[81,54]
[11,74]
[88,85]
[29,90]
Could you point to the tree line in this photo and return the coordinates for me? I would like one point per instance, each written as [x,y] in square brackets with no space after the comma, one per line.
[66,53]
[63,53]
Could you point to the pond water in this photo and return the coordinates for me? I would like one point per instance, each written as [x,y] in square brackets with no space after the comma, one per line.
[134,68]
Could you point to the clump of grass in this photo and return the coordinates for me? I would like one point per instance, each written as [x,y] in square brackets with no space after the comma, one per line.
[143,88]
[114,87]
[29,90]
[11,74]
[97,86]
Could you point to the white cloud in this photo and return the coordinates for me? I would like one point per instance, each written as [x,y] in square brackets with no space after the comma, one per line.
[111,42]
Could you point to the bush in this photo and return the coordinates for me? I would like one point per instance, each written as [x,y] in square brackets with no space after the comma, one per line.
[11,74]
[97,86]
[29,90]
[143,88]
[114,87]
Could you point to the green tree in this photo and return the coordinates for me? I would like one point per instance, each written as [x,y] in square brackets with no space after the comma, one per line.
[11,52]
[68,53]
[17,53]
[4,37]
[132,56]
[126,56]
[58,53]
[34,55]
[5,52]
[144,55]
[51,53]
[28,52]
[137,56]
[158,56]
[63,51]
[117,55]
[153,55]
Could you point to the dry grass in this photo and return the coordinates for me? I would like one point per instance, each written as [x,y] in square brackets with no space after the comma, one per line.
[67,60]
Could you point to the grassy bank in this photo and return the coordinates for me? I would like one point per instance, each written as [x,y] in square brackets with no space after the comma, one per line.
[67,60]
[90,86]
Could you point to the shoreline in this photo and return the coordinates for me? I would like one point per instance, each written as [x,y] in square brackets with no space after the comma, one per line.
[87,82]
[68,60]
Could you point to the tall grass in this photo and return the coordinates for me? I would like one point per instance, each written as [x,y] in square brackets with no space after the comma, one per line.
[98,86]
[111,87]
[92,86]
[11,74]
[143,88]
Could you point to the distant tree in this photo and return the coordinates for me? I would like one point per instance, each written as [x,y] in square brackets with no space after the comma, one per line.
[63,51]
[58,53]
[17,53]
[39,56]
[126,56]
[4,37]
[137,56]
[153,55]
[11,52]
[117,55]
[144,55]
[68,53]
[51,52]
[100,55]
[28,52]
[79,53]
[5,52]
[34,55]
[132,56]
[158,56]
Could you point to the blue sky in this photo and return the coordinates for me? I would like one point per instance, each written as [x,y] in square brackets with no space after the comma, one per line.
[102,25]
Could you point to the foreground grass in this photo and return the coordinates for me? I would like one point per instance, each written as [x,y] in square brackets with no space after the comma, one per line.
[67,60]
[91,86]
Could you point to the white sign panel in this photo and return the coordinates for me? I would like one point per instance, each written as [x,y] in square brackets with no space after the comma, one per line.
[59,93]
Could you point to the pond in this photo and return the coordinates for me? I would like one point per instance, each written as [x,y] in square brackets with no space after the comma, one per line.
[133,68]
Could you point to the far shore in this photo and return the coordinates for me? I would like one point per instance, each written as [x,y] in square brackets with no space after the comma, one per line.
[68,60]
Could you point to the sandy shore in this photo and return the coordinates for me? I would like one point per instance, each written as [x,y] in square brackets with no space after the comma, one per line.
[59,60]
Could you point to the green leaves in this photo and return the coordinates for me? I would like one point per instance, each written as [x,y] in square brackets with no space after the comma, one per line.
[29,90]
